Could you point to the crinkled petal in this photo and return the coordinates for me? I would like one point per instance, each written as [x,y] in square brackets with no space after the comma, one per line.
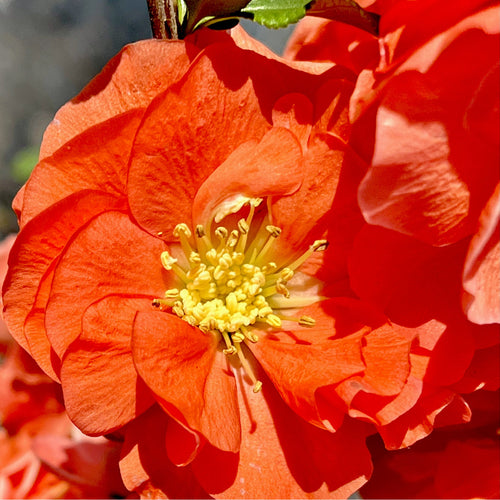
[110,394]
[129,81]
[294,112]
[37,249]
[190,377]
[186,134]
[94,160]
[144,464]
[322,40]
[301,360]
[110,255]
[282,456]
[325,204]
[419,422]
[481,275]
[253,170]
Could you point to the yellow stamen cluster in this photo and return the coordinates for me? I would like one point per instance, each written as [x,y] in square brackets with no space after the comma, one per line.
[229,281]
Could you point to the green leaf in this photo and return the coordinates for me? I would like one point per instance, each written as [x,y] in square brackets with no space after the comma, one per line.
[182,10]
[23,163]
[276,13]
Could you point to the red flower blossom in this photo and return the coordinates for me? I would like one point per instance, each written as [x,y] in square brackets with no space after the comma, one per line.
[456,462]
[425,115]
[148,276]
[123,272]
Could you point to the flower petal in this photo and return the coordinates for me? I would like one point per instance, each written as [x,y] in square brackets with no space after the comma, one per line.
[282,456]
[110,394]
[94,160]
[325,202]
[37,249]
[255,170]
[129,81]
[481,275]
[301,360]
[412,282]
[185,136]
[144,464]
[110,255]
[191,379]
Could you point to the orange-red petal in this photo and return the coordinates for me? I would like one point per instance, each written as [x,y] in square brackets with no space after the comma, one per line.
[271,167]
[129,81]
[110,393]
[35,253]
[283,456]
[110,255]
[481,275]
[190,377]
[94,160]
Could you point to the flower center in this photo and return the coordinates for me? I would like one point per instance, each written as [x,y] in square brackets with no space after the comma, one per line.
[230,284]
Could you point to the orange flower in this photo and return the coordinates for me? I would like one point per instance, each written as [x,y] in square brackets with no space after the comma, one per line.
[159,245]
[457,462]
[426,122]
[171,273]
[41,453]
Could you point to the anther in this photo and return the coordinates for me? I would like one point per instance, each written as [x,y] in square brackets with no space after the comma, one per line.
[274,231]
[237,337]
[194,258]
[286,274]
[319,245]
[167,260]
[269,268]
[173,293]
[307,321]
[161,304]
[221,232]
[243,226]
[200,231]
[232,239]
[257,386]
[273,320]
[282,289]
[182,229]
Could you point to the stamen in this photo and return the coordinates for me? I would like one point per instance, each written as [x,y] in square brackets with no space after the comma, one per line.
[230,347]
[257,384]
[243,227]
[173,293]
[203,241]
[170,264]
[307,321]
[317,246]
[162,304]
[274,232]
[183,234]
[232,286]
[273,320]
[167,260]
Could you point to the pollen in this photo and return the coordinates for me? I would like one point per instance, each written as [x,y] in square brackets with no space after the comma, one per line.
[228,284]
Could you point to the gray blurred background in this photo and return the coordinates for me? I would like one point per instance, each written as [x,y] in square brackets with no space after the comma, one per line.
[49,49]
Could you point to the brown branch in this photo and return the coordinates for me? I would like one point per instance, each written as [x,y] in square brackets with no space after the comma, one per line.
[163,19]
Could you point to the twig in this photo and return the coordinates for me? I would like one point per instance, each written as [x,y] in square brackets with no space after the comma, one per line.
[163,19]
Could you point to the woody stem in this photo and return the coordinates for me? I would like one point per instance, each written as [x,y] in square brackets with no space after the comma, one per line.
[163,19]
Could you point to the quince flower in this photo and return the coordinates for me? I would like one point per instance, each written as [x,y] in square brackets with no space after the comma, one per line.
[181,271]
